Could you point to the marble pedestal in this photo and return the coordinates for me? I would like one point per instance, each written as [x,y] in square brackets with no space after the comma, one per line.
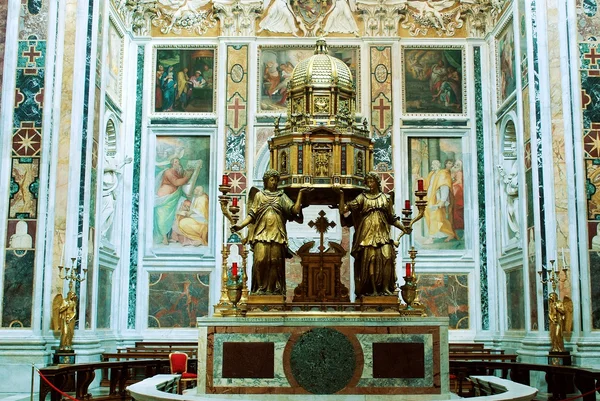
[343,354]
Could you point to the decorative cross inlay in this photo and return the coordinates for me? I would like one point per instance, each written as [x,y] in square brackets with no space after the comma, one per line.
[32,54]
[592,56]
[236,107]
[322,225]
[381,108]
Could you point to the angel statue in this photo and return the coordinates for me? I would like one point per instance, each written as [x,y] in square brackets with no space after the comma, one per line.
[560,317]
[64,311]
[268,211]
[372,215]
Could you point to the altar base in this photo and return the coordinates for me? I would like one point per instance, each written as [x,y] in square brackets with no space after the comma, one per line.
[350,354]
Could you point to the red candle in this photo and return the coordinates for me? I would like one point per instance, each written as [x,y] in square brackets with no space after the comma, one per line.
[408,269]
[225,179]
[234,201]
[407,204]
[234,269]
[419,185]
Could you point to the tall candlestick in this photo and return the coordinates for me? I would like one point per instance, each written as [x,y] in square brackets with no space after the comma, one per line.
[225,179]
[407,204]
[408,269]
[419,185]
[234,269]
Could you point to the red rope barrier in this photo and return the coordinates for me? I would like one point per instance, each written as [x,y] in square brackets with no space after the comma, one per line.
[582,395]
[54,387]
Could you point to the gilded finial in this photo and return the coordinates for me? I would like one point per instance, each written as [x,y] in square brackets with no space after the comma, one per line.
[321,47]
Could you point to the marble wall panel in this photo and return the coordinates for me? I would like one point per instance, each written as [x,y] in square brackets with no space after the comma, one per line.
[3,16]
[177,299]
[589,63]
[482,232]
[104,298]
[381,107]
[27,118]
[135,190]
[515,302]
[446,295]
[17,300]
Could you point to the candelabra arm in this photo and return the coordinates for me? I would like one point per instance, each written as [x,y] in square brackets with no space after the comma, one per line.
[223,201]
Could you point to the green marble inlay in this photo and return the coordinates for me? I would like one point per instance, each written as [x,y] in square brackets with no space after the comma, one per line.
[323,361]
[435,123]
[367,380]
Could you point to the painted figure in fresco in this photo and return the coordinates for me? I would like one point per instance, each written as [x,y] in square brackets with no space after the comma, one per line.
[110,184]
[182,79]
[507,74]
[437,212]
[168,198]
[286,75]
[341,18]
[207,73]
[21,238]
[556,317]
[158,93]
[268,211]
[192,220]
[271,77]
[64,311]
[169,85]
[372,215]
[279,18]
[458,210]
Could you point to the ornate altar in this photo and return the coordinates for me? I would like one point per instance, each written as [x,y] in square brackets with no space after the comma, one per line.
[322,144]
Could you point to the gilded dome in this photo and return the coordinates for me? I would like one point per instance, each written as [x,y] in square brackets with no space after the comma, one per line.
[322,70]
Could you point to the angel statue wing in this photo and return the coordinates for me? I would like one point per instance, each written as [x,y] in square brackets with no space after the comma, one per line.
[56,304]
[568,305]
[249,202]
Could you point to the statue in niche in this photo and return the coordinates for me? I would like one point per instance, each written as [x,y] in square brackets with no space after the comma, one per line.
[110,184]
[372,215]
[268,212]
[511,187]
[21,238]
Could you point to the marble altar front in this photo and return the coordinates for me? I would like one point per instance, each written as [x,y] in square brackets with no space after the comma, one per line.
[344,354]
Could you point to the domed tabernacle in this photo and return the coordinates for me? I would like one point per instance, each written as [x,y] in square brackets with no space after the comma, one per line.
[322,144]
[322,70]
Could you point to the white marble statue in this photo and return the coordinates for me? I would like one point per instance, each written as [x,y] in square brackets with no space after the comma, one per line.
[341,18]
[110,184]
[511,187]
[279,18]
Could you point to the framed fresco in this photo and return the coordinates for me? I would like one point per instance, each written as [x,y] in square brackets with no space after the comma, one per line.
[434,80]
[114,57]
[440,163]
[184,79]
[181,218]
[275,66]
[506,63]
[176,299]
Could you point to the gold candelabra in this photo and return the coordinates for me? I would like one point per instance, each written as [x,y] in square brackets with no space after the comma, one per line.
[234,289]
[553,275]
[409,289]
[70,274]
[407,221]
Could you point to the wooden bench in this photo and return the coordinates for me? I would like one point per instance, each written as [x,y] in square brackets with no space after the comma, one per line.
[473,352]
